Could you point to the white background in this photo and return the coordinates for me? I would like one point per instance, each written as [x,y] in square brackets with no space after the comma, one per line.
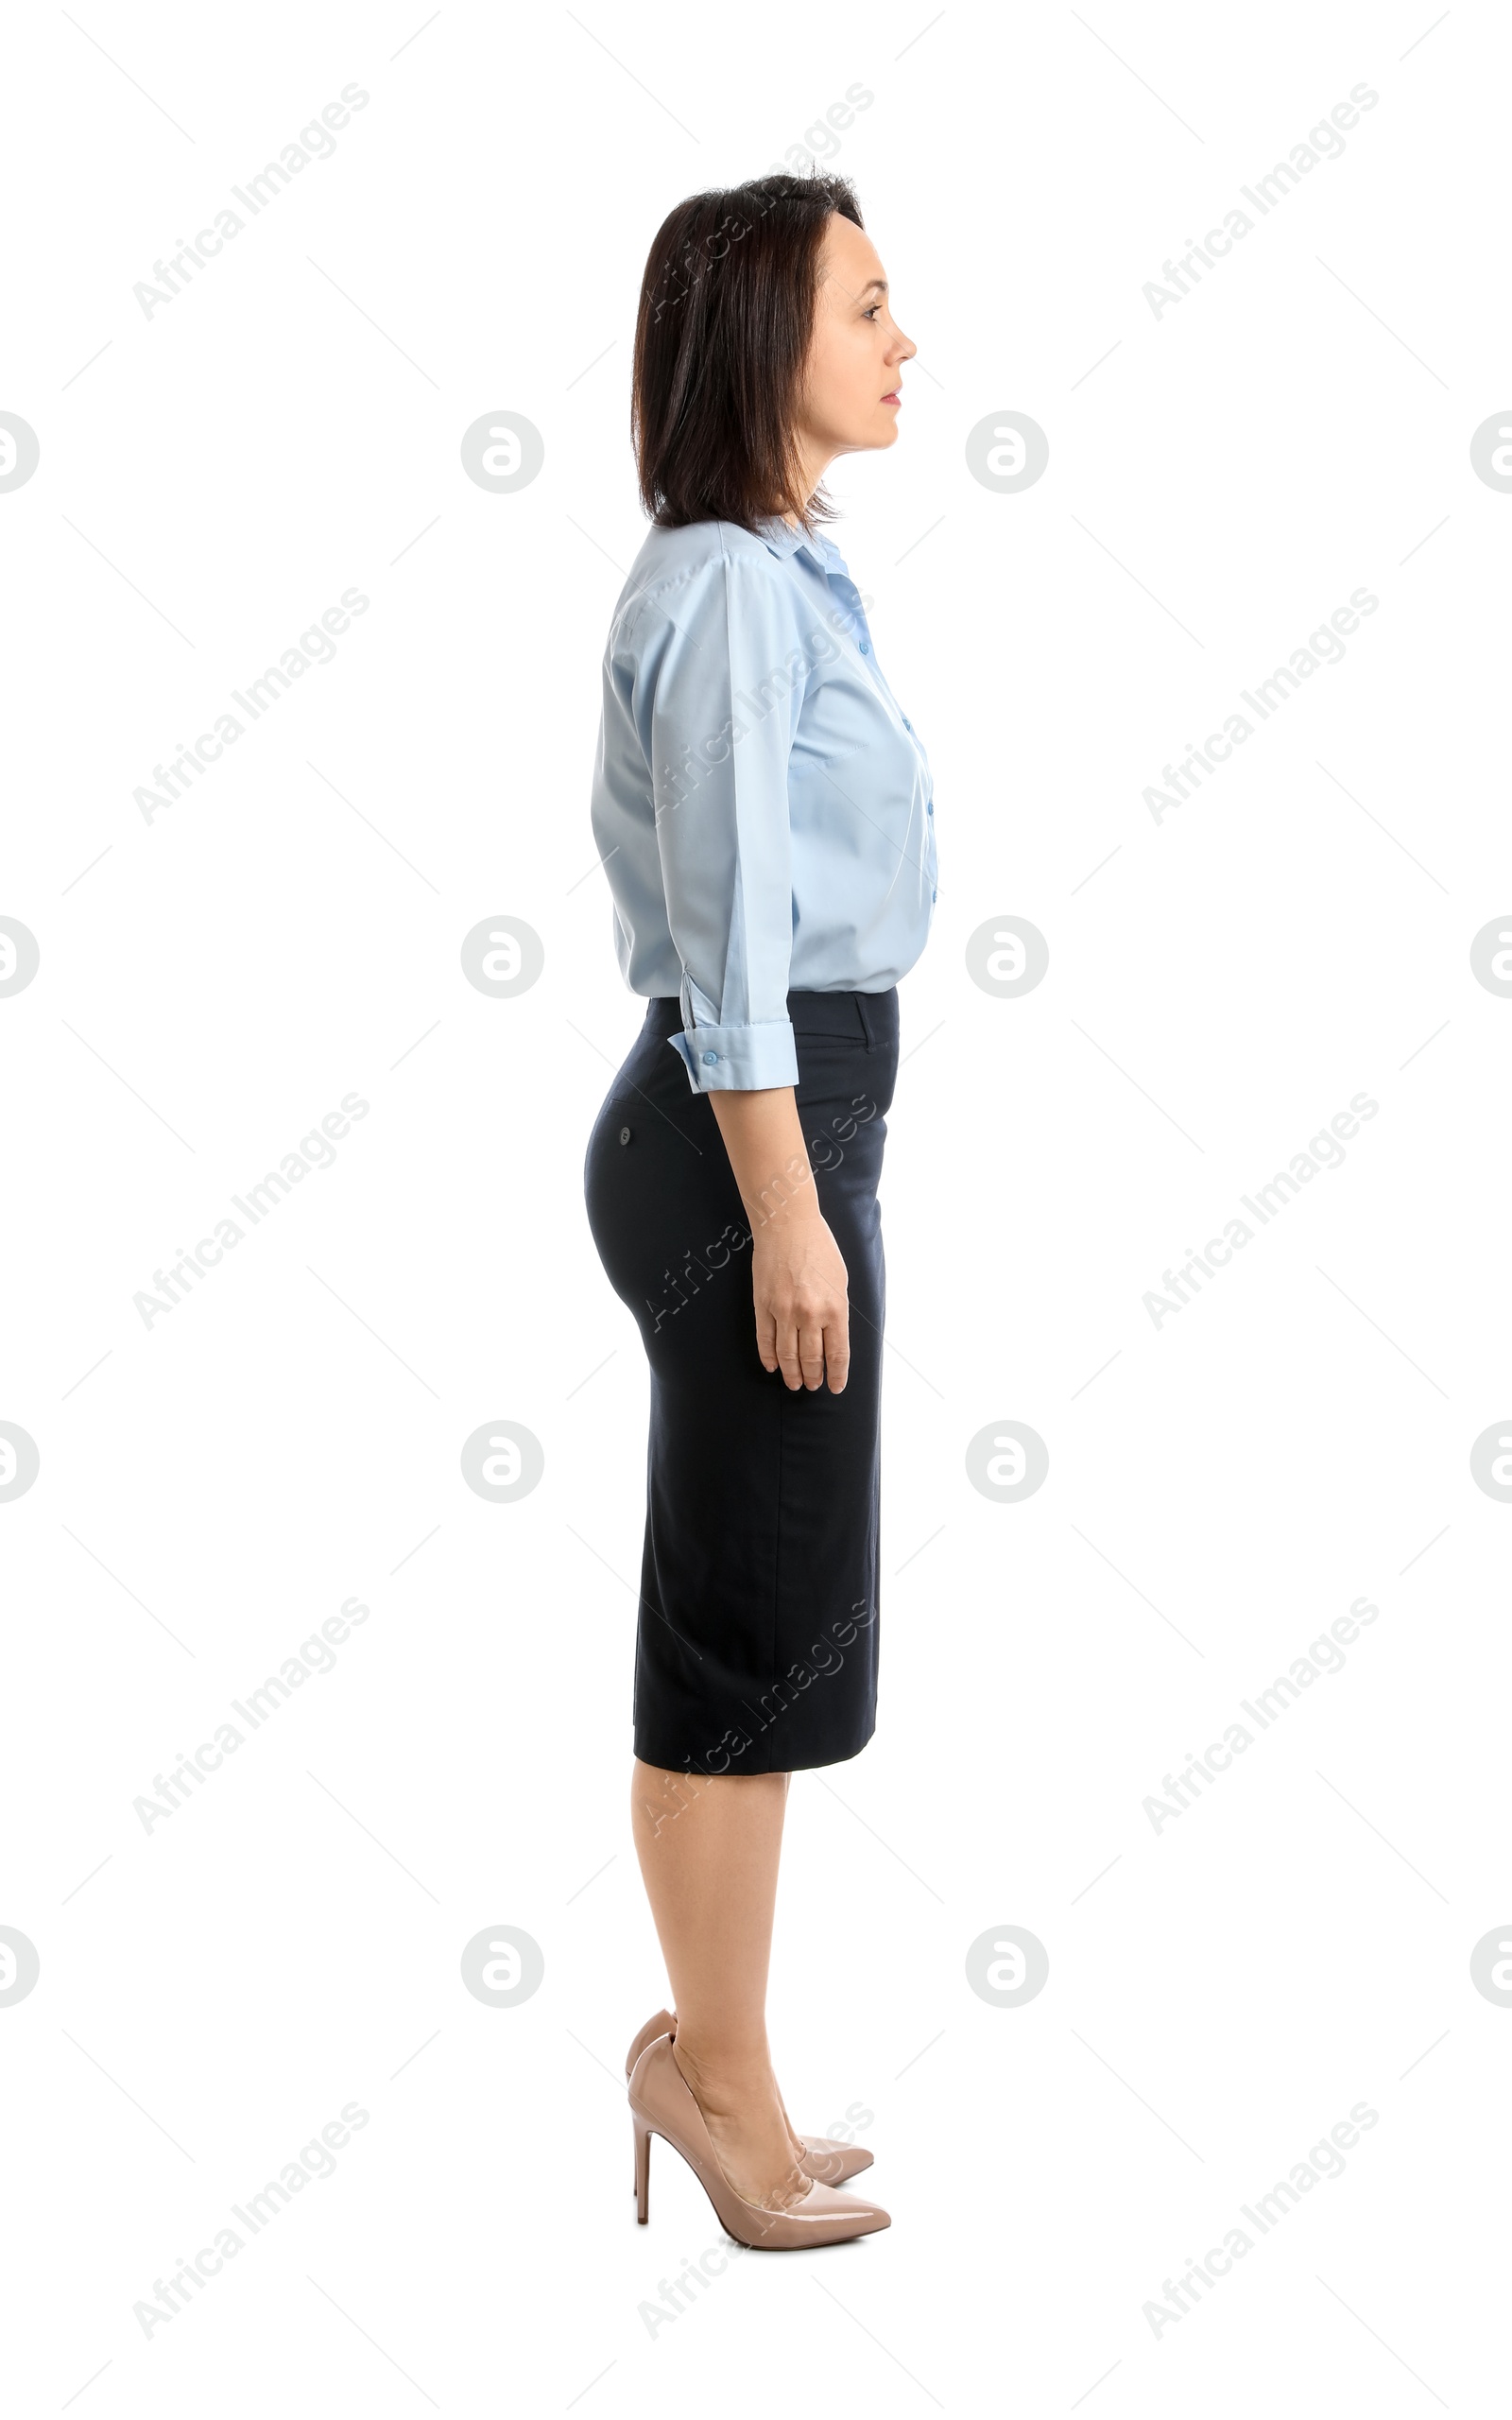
[1221,1488]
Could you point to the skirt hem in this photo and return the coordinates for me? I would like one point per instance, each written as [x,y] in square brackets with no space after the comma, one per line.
[742,1765]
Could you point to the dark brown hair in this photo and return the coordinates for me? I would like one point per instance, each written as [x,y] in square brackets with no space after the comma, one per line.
[727,310]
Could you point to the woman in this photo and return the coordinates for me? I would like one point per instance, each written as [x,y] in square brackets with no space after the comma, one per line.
[763,815]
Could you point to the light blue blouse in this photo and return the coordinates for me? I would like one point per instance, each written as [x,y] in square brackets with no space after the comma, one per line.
[763,809]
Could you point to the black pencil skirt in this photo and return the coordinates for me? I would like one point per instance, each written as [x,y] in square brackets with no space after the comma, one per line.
[757,1638]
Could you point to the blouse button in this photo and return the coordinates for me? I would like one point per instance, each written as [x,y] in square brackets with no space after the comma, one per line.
[864,649]
[929,809]
[624,1133]
[907,725]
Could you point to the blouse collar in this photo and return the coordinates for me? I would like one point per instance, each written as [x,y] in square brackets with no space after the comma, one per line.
[782,540]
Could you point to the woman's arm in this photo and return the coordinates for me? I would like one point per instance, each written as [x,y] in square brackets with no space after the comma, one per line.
[798,1275]
[717,691]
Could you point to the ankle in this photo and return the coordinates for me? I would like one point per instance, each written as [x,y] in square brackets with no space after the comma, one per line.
[721,2076]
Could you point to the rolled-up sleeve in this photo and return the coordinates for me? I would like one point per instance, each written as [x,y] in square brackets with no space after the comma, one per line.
[719,685]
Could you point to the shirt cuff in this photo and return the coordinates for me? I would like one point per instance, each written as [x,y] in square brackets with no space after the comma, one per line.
[738,1058]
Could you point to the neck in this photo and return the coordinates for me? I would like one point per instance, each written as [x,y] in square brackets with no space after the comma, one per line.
[815,464]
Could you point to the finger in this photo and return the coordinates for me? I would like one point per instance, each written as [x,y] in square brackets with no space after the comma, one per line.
[766,1336]
[837,1354]
[810,1356]
[788,1355]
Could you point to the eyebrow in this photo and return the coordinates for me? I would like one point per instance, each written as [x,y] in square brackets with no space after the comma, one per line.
[875,285]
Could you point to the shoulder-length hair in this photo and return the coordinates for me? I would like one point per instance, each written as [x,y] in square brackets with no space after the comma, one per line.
[721,336]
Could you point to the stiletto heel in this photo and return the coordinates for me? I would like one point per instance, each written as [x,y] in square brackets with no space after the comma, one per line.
[827,2162]
[661,2101]
[642,2168]
[663,2022]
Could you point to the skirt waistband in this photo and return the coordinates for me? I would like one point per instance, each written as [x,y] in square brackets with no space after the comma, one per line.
[870,1017]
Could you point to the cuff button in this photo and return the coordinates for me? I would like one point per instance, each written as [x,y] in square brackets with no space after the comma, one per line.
[624,1133]
[710,1058]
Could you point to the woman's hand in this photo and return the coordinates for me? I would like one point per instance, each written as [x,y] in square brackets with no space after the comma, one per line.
[799,1280]
[802,1313]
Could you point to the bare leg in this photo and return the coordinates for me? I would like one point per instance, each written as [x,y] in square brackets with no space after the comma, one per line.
[709,1847]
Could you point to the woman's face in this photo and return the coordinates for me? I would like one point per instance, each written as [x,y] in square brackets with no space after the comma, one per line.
[851,378]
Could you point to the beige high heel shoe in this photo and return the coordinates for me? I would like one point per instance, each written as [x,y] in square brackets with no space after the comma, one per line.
[662,2103]
[827,2163]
